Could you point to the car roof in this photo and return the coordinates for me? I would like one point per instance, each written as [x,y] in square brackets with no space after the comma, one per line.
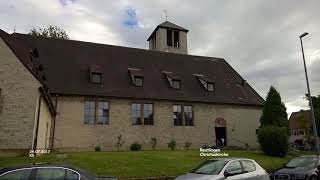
[230,159]
[309,156]
[62,165]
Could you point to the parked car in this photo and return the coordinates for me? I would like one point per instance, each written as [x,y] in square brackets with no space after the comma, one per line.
[48,172]
[227,168]
[303,167]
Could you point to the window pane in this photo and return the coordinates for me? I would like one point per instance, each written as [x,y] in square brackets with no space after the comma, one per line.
[138,81]
[95,78]
[50,173]
[210,87]
[169,37]
[148,114]
[136,114]
[188,115]
[87,104]
[248,166]
[71,175]
[176,84]
[90,120]
[89,112]
[17,175]
[234,168]
[177,115]
[92,104]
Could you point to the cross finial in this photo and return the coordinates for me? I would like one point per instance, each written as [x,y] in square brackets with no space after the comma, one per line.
[165,12]
[14,29]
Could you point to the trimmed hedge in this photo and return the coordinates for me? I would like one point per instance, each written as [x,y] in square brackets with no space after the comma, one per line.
[274,141]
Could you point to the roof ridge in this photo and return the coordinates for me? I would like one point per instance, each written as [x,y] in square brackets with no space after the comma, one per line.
[117,46]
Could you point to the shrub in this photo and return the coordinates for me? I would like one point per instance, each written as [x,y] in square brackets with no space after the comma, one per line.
[97,148]
[135,147]
[205,146]
[273,140]
[172,144]
[187,145]
[153,142]
[119,142]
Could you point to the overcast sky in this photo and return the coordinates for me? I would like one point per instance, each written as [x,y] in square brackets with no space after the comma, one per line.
[258,38]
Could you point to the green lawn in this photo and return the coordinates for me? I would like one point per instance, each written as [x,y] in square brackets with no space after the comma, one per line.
[142,163]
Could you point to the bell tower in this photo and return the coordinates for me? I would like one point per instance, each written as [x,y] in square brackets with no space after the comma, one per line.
[169,37]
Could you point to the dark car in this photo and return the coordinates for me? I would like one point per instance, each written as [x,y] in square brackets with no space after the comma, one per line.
[48,172]
[303,167]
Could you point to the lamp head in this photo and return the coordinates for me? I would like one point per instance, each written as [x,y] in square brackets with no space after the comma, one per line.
[302,35]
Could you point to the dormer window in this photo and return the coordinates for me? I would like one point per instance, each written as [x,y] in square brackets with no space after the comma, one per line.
[96,78]
[95,74]
[174,80]
[207,83]
[136,76]
[210,86]
[138,81]
[175,84]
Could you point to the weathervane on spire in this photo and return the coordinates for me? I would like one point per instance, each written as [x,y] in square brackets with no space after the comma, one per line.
[165,12]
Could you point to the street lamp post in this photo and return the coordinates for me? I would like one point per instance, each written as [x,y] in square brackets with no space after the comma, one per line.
[309,96]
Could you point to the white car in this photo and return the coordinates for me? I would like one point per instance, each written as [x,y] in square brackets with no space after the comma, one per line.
[227,168]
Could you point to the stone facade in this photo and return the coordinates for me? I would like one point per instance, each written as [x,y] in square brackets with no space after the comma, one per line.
[18,102]
[45,128]
[71,132]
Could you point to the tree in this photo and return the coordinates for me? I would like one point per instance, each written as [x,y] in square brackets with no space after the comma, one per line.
[51,31]
[274,111]
[316,108]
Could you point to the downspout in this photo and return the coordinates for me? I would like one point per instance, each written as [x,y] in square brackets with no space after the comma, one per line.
[54,122]
[37,127]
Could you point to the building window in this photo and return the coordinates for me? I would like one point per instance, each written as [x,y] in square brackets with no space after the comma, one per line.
[103,113]
[207,83]
[136,76]
[169,37]
[141,112]
[138,81]
[177,115]
[89,112]
[175,84]
[148,114]
[136,114]
[188,115]
[96,112]
[210,87]
[96,78]
[173,79]
[183,115]
[176,42]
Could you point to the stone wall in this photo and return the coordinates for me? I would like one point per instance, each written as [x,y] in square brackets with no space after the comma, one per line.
[72,133]
[18,101]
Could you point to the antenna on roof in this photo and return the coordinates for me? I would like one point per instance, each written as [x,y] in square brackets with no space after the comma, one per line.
[14,29]
[165,12]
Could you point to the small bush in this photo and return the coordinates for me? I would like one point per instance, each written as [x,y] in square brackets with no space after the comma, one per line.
[97,148]
[273,140]
[120,141]
[187,145]
[172,145]
[135,147]
[205,146]
[153,142]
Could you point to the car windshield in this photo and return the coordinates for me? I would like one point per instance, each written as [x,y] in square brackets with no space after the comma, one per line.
[210,167]
[302,162]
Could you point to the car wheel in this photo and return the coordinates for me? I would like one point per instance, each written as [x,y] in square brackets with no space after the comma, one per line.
[313,177]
